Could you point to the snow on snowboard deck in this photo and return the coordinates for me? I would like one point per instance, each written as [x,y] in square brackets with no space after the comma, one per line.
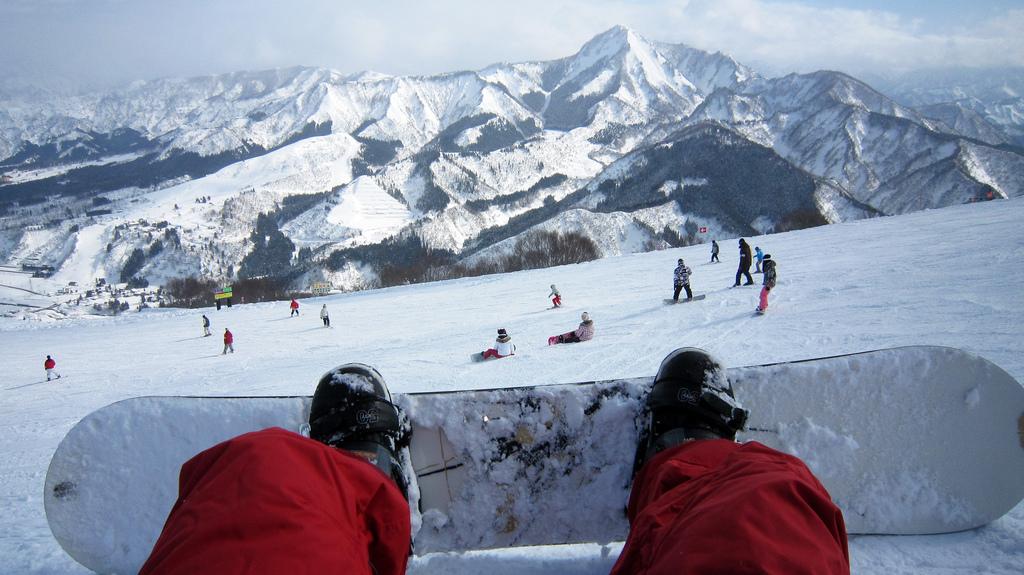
[910,440]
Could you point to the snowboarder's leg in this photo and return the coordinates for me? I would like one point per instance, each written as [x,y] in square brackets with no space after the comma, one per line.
[675,292]
[704,501]
[746,273]
[720,507]
[297,506]
[489,353]
[689,294]
[764,299]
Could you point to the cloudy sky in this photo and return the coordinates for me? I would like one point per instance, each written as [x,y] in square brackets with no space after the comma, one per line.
[101,42]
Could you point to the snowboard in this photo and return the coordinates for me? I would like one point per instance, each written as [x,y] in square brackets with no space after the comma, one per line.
[912,440]
[684,300]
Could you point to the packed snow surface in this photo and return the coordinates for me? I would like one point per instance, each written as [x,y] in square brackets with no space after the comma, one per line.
[942,277]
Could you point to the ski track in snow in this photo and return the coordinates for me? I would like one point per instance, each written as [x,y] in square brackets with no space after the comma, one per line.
[942,277]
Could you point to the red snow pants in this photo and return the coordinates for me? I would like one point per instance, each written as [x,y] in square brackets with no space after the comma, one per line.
[716,506]
[273,501]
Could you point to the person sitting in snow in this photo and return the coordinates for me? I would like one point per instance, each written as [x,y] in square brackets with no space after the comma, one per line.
[584,332]
[681,280]
[503,346]
[556,298]
[337,501]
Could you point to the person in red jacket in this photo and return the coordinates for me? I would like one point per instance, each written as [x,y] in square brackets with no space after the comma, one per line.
[295,308]
[50,366]
[229,340]
[700,504]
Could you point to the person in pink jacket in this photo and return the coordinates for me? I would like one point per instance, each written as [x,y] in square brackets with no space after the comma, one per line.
[584,332]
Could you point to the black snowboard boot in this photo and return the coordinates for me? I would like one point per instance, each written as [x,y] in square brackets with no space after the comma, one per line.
[691,399]
[352,410]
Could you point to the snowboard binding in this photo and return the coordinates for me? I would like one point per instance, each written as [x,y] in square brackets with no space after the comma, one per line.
[691,399]
[352,410]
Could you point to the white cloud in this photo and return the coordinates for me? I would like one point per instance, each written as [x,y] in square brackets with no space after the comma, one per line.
[108,40]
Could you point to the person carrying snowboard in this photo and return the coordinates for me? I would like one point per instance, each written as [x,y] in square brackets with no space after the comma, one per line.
[206,326]
[759,256]
[323,316]
[556,298]
[768,283]
[229,341]
[503,346]
[744,267]
[295,308]
[51,368]
[584,332]
[336,501]
[681,280]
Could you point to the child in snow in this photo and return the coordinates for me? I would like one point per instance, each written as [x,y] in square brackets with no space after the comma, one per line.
[681,281]
[323,315]
[229,340]
[584,332]
[50,366]
[698,495]
[769,282]
[206,326]
[295,308]
[556,298]
[759,255]
[503,346]
[714,252]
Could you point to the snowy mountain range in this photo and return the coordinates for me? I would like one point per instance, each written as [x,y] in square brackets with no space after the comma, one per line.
[619,141]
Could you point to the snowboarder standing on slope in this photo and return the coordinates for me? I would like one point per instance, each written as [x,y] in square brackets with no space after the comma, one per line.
[768,284]
[51,368]
[744,268]
[698,500]
[714,252]
[206,326]
[295,308]
[229,340]
[681,280]
[759,256]
[503,346]
[584,332]
[556,298]
[326,318]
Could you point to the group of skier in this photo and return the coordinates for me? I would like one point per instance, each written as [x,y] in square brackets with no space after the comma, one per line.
[765,265]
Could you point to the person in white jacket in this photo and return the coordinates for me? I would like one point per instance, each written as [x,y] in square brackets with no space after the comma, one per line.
[503,346]
[323,315]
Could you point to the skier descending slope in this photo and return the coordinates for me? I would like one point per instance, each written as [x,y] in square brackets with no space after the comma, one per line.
[681,280]
[768,284]
[701,503]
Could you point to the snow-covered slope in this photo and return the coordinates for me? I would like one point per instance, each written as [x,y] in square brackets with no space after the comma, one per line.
[944,277]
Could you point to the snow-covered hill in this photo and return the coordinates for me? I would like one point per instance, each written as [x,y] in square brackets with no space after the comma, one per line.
[944,277]
[469,159]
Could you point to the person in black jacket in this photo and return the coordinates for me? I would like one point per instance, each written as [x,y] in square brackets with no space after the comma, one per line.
[744,269]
